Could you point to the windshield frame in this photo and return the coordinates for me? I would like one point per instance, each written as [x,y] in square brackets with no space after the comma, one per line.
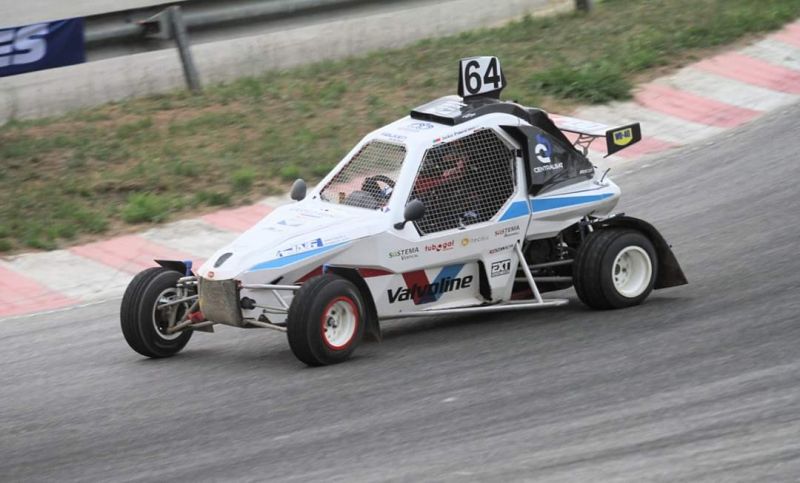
[379,195]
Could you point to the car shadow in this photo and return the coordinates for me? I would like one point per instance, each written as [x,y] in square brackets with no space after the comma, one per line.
[255,350]
[575,311]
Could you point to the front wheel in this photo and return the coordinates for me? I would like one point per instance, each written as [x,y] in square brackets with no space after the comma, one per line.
[147,312]
[326,320]
[615,268]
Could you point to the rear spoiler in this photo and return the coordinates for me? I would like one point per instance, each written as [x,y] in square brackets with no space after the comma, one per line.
[617,138]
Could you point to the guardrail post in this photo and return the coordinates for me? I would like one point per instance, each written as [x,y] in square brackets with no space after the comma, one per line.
[583,5]
[182,39]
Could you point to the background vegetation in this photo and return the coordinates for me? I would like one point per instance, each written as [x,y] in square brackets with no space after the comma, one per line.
[117,167]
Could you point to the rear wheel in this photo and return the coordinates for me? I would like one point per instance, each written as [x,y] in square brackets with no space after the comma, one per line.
[146,313]
[326,320]
[614,268]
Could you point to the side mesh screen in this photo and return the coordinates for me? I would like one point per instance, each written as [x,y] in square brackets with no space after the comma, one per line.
[464,181]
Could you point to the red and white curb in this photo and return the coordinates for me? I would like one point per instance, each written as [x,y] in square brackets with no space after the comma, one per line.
[709,96]
[40,282]
[695,103]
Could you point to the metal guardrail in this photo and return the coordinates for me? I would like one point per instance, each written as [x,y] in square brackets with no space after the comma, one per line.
[216,16]
[144,65]
[236,13]
[174,24]
[14,13]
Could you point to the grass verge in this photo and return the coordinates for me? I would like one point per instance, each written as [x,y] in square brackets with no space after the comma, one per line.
[116,167]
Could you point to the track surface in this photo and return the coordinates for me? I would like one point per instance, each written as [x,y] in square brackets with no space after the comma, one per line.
[702,383]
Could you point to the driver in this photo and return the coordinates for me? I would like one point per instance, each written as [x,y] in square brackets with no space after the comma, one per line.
[441,185]
[441,170]
[380,187]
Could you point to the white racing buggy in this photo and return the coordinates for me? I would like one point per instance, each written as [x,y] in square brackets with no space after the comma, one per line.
[468,205]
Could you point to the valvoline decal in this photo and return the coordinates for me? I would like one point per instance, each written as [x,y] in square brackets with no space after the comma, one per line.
[422,291]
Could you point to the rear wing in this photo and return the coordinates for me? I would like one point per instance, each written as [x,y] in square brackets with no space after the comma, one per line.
[617,138]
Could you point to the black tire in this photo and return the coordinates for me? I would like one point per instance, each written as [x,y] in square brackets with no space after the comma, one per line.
[313,309]
[593,270]
[137,317]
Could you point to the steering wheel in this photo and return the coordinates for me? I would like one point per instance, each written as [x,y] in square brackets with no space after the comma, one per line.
[371,186]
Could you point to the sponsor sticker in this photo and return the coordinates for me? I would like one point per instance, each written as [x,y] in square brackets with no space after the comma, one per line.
[500,249]
[543,149]
[418,126]
[548,167]
[465,242]
[396,137]
[623,137]
[301,247]
[440,247]
[453,134]
[448,108]
[423,293]
[507,231]
[502,267]
[405,253]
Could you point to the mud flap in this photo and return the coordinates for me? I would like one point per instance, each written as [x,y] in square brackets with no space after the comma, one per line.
[670,273]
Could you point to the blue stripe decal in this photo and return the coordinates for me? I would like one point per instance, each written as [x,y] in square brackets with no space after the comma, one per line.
[450,271]
[517,209]
[544,204]
[288,260]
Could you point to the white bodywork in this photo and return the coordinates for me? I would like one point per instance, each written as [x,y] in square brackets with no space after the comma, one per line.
[405,272]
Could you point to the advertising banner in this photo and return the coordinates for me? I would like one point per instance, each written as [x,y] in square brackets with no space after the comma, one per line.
[41,46]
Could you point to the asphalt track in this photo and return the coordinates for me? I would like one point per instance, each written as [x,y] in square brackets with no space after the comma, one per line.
[702,383]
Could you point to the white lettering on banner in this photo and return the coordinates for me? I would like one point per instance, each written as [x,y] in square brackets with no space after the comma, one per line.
[24,45]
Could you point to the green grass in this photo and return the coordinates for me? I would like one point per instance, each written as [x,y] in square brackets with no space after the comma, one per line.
[146,207]
[148,160]
[212,198]
[594,82]
[242,179]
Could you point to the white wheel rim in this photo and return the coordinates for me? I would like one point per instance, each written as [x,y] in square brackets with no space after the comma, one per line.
[631,271]
[339,323]
[167,316]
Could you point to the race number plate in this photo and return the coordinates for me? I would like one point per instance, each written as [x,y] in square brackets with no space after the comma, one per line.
[480,76]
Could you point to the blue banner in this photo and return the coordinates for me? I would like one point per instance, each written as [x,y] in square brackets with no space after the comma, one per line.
[41,46]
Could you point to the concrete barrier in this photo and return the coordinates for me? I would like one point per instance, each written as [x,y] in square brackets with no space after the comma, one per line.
[16,13]
[57,91]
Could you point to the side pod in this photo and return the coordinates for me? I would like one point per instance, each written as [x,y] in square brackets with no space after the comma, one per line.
[670,273]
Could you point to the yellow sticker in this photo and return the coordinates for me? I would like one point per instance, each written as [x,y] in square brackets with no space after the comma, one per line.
[623,137]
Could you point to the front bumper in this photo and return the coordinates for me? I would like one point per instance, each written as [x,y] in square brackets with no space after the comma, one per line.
[219,301]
